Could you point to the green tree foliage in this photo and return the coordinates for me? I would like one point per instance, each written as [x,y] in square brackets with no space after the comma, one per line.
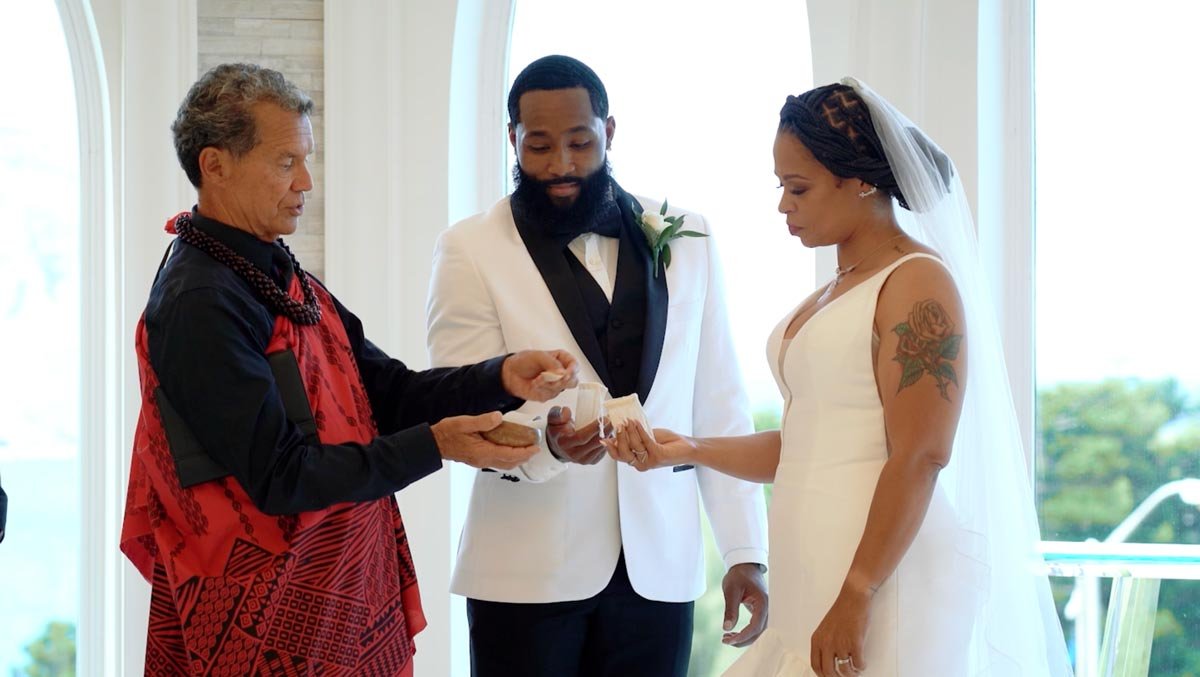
[1102,449]
[766,419]
[53,654]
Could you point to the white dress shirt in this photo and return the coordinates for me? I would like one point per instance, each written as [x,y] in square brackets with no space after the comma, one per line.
[598,254]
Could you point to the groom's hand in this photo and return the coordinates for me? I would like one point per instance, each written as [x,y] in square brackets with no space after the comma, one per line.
[570,445]
[744,584]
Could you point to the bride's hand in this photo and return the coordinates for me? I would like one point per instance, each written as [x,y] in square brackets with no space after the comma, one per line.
[633,445]
[837,643]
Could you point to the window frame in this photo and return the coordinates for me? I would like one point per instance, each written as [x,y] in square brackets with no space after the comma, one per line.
[1007,200]
[131,65]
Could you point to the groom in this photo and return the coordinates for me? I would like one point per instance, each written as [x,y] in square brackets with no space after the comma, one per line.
[573,564]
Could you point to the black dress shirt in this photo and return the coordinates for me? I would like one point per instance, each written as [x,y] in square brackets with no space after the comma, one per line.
[207,334]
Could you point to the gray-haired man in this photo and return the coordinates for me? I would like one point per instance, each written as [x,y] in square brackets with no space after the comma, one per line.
[272,433]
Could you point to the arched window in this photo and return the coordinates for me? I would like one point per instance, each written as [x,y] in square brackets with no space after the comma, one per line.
[40,342]
[696,90]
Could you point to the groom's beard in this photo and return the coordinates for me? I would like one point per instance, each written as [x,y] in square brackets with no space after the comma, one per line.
[531,196]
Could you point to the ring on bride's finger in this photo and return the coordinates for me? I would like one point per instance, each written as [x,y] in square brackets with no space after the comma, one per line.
[640,456]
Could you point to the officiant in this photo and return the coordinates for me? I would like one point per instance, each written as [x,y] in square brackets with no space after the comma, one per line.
[273,434]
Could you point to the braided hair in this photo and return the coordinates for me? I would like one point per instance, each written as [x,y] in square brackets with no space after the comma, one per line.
[834,123]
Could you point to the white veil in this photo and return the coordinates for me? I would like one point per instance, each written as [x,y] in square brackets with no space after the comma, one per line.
[1016,630]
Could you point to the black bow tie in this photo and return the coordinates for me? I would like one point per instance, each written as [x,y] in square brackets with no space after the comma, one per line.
[608,226]
[606,223]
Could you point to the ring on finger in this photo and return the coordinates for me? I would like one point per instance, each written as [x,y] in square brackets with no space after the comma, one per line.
[842,661]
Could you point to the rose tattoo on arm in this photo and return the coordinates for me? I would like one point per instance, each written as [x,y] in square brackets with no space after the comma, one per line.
[928,345]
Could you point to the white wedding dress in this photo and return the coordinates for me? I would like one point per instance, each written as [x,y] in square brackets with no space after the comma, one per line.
[970,597]
[832,452]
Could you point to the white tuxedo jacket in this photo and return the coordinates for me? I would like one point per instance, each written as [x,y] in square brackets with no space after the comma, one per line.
[555,534]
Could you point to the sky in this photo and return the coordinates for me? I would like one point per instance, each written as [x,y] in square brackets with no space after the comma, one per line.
[1118,236]
[39,327]
[39,234]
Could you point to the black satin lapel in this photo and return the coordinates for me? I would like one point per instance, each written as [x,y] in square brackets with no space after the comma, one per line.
[547,255]
[656,295]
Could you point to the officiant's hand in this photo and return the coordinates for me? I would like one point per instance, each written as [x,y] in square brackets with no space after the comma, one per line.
[459,438]
[633,445]
[744,584]
[539,375]
[568,444]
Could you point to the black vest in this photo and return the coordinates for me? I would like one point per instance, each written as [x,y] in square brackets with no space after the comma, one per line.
[623,340]
[619,326]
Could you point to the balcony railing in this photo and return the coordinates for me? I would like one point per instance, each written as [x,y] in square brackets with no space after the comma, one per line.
[1122,647]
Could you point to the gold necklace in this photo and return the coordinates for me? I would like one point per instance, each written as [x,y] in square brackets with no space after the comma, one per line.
[839,273]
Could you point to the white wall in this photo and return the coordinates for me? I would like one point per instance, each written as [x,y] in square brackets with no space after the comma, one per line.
[134,60]
[1006,188]
[289,37]
[918,54]
[387,70]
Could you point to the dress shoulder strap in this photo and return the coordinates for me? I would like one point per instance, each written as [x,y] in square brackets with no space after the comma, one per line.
[909,257]
[884,275]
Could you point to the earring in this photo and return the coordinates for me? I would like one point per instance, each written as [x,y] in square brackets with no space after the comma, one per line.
[868,193]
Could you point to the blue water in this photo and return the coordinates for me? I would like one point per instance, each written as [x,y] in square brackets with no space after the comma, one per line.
[39,558]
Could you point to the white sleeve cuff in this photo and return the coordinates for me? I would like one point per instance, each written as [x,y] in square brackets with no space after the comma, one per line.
[543,466]
[745,556]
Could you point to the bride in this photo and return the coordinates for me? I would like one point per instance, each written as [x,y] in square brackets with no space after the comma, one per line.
[902,524]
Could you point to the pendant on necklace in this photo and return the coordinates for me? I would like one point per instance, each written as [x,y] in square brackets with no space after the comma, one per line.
[828,290]
[838,274]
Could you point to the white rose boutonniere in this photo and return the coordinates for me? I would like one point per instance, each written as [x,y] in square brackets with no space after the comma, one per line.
[660,229]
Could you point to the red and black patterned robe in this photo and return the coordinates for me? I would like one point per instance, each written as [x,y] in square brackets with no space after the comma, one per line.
[238,592]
